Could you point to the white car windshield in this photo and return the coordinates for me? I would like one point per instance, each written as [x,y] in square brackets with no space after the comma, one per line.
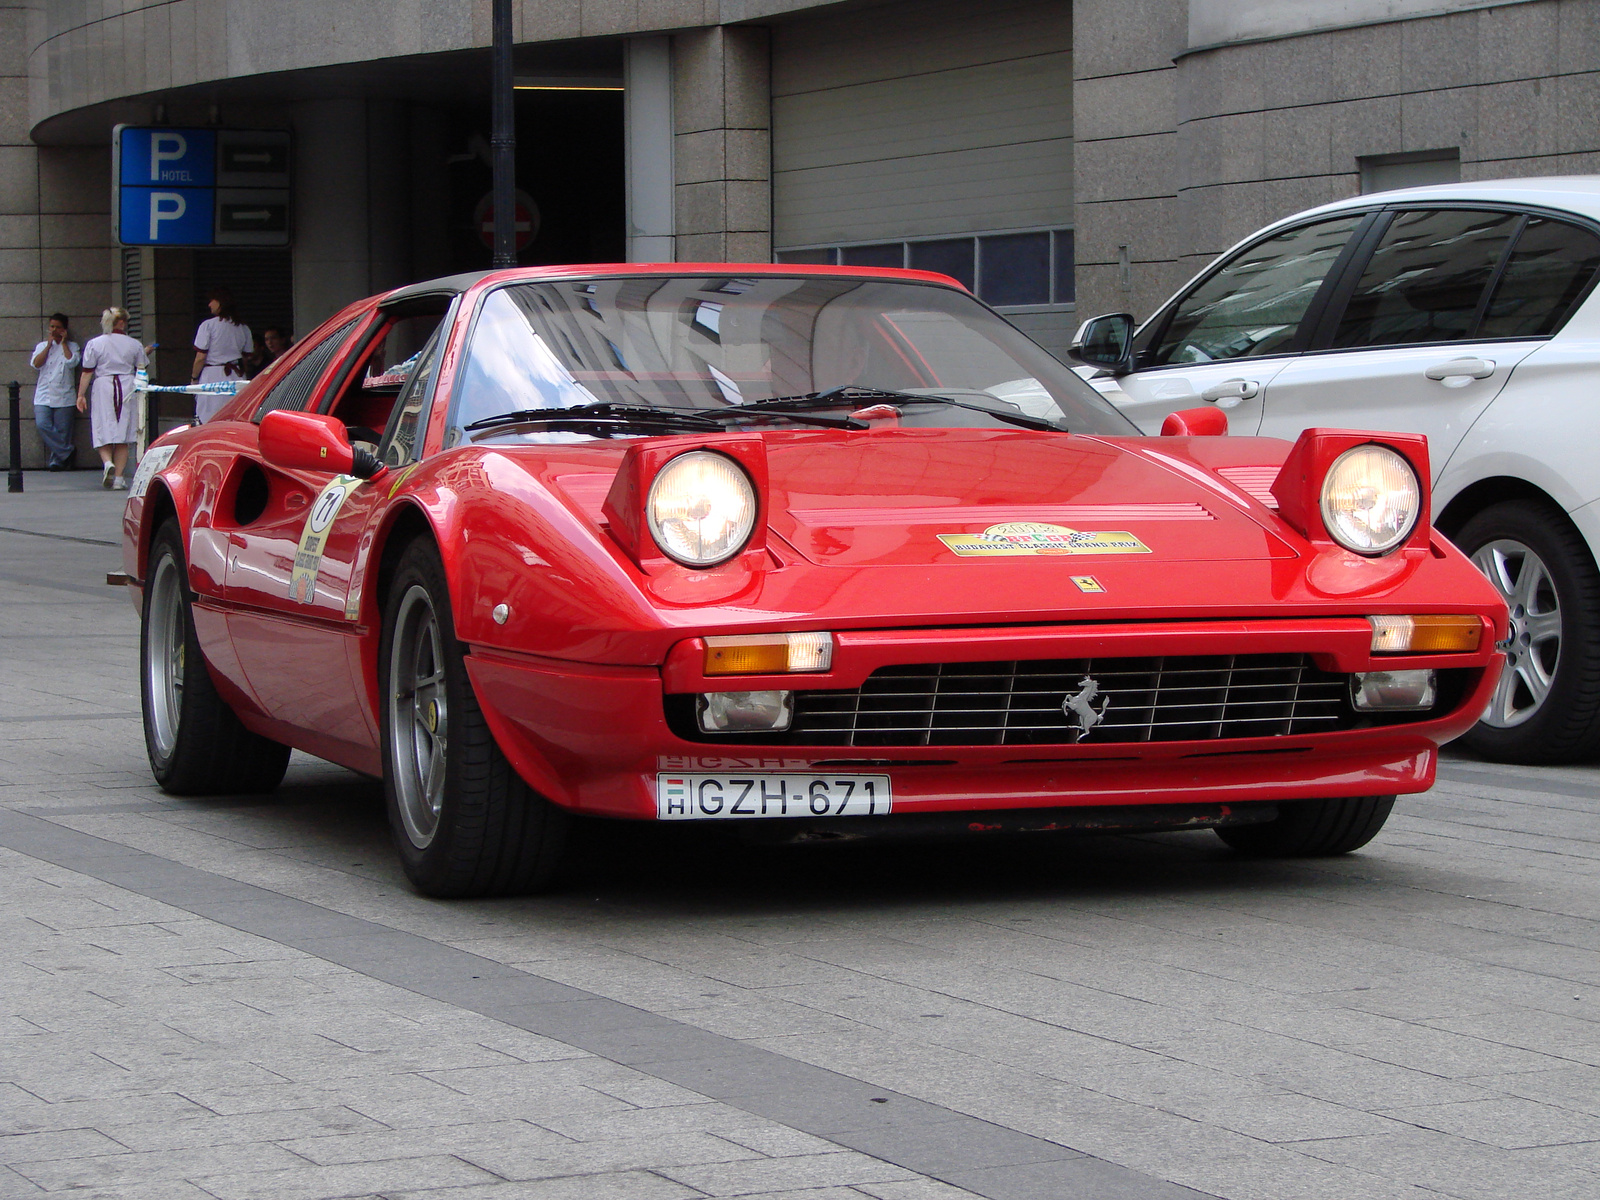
[702,343]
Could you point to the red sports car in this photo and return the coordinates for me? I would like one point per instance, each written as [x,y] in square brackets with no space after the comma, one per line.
[825,551]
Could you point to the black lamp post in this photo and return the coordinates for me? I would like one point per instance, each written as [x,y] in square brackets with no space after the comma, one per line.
[503,141]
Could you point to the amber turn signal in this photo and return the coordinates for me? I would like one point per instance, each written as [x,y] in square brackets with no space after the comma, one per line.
[1435,634]
[768,653]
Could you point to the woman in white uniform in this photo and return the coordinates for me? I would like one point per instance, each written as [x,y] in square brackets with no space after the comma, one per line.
[109,362]
[221,345]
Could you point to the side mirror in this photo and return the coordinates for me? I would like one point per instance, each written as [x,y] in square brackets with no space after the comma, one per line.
[1195,422]
[1105,341]
[301,441]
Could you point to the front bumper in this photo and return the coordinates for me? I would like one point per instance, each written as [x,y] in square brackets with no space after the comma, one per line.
[593,738]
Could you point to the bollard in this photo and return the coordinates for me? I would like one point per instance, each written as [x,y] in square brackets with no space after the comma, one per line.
[14,480]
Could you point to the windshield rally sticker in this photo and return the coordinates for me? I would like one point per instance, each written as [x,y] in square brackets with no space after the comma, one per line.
[1033,537]
[314,538]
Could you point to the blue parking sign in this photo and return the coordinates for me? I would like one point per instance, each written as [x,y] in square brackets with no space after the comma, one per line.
[166,158]
[165,216]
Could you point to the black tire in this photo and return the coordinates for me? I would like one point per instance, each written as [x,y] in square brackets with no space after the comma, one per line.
[1312,828]
[1546,708]
[464,822]
[196,745]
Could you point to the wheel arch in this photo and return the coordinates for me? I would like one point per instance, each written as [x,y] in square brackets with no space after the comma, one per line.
[159,505]
[1477,496]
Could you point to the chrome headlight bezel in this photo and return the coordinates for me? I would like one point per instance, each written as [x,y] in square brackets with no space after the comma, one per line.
[720,482]
[1344,475]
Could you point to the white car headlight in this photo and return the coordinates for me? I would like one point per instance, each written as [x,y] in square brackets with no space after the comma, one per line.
[1370,499]
[701,508]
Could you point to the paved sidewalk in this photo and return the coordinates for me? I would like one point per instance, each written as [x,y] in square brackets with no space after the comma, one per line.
[240,998]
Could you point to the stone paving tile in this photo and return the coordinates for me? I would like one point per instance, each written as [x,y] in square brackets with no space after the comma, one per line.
[620,1185]
[1514,1124]
[307,1182]
[511,1160]
[756,1176]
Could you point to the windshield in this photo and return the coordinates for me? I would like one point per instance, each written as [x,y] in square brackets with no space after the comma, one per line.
[693,343]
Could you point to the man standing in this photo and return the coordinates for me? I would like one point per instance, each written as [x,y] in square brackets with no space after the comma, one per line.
[55,396]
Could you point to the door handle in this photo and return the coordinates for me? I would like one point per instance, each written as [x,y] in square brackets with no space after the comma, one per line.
[1231,389]
[1462,368]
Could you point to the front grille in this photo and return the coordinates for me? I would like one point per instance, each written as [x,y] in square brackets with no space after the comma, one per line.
[1028,703]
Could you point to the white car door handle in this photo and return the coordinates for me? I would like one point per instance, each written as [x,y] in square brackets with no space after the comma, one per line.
[1457,368]
[1231,389]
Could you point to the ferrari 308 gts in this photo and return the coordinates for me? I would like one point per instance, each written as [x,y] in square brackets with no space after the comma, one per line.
[827,552]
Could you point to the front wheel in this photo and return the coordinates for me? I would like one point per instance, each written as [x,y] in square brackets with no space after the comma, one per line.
[463,820]
[196,745]
[1546,707]
[1312,828]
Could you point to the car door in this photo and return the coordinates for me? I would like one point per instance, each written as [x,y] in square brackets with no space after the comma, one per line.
[1430,329]
[1228,336]
[286,561]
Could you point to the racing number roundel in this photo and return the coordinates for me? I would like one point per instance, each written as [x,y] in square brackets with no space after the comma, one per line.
[314,538]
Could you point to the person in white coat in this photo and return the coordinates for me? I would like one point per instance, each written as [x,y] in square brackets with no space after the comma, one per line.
[56,359]
[221,345]
[109,364]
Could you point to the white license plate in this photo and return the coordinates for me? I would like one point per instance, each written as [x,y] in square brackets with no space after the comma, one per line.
[695,797]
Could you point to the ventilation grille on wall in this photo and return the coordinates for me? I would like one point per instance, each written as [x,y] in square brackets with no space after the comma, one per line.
[133,291]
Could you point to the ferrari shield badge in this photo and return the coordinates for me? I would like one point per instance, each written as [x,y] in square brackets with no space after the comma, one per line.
[314,538]
[1014,538]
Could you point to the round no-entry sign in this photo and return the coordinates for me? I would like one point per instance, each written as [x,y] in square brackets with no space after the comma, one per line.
[525,225]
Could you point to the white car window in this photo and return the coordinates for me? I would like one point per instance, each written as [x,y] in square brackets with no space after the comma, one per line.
[1425,280]
[1548,272]
[1254,304]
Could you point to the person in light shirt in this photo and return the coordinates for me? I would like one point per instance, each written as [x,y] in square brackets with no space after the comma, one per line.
[110,361]
[54,396]
[221,345]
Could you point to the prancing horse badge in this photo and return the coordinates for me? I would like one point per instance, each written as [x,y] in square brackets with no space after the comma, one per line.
[1081,707]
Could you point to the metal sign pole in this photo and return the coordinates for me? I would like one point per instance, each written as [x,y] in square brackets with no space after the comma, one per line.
[503,141]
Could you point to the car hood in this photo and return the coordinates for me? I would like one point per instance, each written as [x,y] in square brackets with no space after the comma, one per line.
[905,498]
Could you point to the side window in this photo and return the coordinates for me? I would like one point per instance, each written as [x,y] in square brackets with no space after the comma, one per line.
[1549,270]
[400,440]
[294,389]
[1254,304]
[1426,278]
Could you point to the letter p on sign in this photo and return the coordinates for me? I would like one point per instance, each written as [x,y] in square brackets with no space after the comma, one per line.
[165,206]
[165,147]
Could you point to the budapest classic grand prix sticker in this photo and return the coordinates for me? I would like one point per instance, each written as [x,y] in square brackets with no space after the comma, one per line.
[314,538]
[154,460]
[1013,538]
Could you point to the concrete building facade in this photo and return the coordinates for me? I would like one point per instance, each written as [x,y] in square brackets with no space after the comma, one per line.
[1060,158]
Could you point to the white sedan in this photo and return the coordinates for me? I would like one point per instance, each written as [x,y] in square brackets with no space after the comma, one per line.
[1466,312]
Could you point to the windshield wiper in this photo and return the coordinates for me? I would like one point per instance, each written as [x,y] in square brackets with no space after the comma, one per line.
[850,393]
[604,415]
[741,410]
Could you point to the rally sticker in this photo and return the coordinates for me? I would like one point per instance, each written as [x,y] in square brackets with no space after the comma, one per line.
[314,538]
[154,461]
[1034,537]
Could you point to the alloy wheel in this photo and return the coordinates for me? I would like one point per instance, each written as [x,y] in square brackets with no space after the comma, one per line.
[164,654]
[1524,583]
[418,716]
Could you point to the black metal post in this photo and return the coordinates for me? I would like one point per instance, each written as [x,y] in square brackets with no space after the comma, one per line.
[14,396]
[503,141]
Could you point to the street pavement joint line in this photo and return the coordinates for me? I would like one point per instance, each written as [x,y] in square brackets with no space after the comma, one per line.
[58,537]
[1536,786]
[56,585]
[112,716]
[989,1160]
